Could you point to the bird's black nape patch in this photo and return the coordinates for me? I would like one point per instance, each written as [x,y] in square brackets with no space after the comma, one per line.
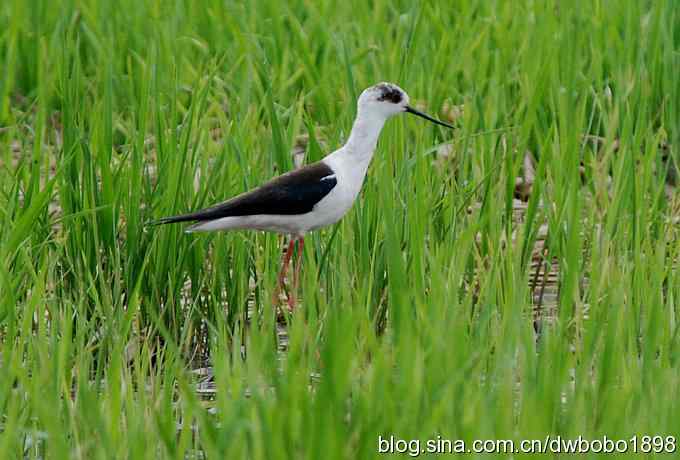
[389,93]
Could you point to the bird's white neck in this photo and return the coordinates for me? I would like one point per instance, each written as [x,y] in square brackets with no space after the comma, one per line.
[364,136]
[350,162]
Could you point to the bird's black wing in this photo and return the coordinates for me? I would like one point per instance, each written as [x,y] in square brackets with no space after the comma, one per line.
[296,192]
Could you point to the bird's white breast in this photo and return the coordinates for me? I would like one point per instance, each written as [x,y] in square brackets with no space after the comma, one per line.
[350,177]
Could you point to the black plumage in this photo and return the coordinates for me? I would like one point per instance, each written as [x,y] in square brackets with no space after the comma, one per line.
[389,93]
[296,192]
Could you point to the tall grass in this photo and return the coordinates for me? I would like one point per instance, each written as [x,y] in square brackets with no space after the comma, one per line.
[417,317]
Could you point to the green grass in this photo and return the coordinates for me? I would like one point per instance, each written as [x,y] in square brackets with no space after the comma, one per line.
[416,318]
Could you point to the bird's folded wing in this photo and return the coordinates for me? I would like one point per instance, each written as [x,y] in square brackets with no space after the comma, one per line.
[296,192]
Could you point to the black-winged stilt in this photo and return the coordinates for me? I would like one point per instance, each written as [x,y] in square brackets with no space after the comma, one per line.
[312,196]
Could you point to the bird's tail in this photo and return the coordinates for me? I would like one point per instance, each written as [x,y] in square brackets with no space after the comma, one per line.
[170,220]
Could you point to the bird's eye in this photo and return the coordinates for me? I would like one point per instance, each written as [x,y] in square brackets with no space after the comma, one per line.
[392,95]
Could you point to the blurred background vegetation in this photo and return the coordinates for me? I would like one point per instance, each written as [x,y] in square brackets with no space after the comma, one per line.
[513,279]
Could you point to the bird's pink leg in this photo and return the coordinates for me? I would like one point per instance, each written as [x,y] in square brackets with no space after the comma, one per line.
[282,273]
[296,277]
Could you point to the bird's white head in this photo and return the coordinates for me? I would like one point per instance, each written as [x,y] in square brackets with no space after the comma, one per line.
[384,100]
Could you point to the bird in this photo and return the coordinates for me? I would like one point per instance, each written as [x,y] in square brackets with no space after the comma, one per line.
[313,196]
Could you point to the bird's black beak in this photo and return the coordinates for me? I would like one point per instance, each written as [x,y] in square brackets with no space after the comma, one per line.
[410,109]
